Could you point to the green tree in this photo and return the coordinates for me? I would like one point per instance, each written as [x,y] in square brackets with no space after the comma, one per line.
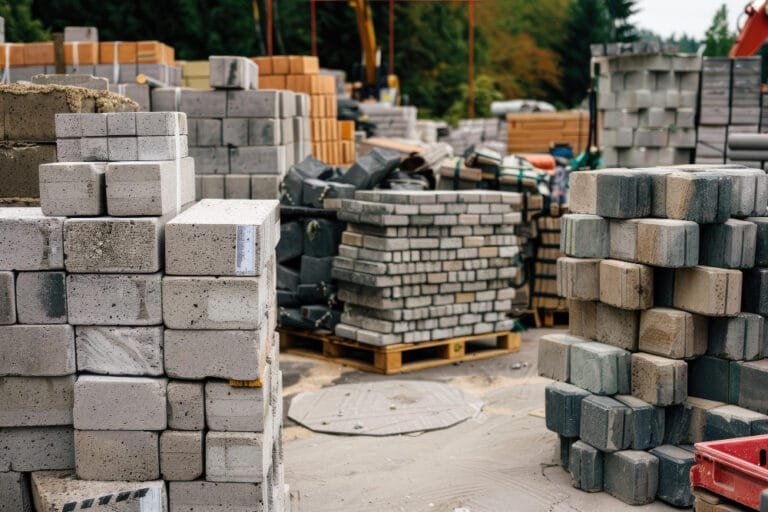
[620,11]
[719,39]
[486,91]
[20,25]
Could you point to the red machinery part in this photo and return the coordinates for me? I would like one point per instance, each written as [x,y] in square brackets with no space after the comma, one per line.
[754,32]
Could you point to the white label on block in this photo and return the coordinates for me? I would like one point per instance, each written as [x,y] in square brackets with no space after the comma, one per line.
[246,250]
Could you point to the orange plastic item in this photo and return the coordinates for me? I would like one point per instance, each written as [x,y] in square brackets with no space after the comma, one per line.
[543,161]
[38,54]
[85,53]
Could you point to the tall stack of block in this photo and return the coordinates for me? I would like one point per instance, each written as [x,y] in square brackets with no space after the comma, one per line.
[425,266]
[647,105]
[662,270]
[331,142]
[392,121]
[243,138]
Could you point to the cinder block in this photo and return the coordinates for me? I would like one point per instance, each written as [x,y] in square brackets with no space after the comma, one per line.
[730,421]
[93,125]
[120,403]
[242,409]
[265,187]
[120,350]
[623,239]
[202,496]
[36,401]
[667,243]
[14,488]
[186,405]
[601,369]
[261,103]
[563,408]
[207,132]
[94,149]
[234,132]
[122,149]
[211,187]
[258,160]
[698,197]
[265,132]
[644,423]
[658,380]
[582,318]
[117,455]
[578,278]
[30,241]
[233,72]
[149,188]
[554,361]
[710,377]
[738,338]
[631,476]
[41,297]
[37,350]
[708,291]
[728,245]
[195,103]
[237,456]
[121,124]
[36,449]
[222,238]
[602,423]
[584,236]
[162,147]
[181,455]
[617,327]
[210,160]
[237,186]
[672,333]
[586,467]
[72,189]
[623,194]
[626,285]
[7,298]
[114,299]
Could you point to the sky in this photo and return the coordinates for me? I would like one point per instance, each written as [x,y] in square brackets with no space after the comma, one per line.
[693,17]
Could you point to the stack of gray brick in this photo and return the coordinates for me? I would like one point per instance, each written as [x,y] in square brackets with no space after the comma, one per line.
[663,269]
[421,266]
[392,121]
[488,132]
[648,108]
[243,139]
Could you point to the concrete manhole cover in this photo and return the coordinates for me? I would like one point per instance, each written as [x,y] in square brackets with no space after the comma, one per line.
[383,408]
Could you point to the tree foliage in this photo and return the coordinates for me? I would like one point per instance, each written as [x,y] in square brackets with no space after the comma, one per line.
[719,38]
[20,25]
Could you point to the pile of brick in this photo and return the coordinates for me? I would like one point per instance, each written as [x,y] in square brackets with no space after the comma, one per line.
[243,139]
[392,121]
[491,133]
[30,140]
[662,270]
[730,104]
[111,371]
[648,108]
[423,266]
[333,141]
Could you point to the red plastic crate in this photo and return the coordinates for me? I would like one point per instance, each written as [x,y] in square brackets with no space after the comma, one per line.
[734,468]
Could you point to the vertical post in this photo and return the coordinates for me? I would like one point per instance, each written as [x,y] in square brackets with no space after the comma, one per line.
[58,53]
[269,27]
[391,40]
[313,25]
[471,63]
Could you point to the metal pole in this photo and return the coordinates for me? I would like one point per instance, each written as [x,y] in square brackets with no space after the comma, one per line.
[269,27]
[471,63]
[391,37]
[313,25]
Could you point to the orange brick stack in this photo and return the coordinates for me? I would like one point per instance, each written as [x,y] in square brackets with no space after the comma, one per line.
[333,141]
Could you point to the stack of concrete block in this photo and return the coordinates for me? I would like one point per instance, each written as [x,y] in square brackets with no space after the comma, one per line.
[648,108]
[392,121]
[30,140]
[425,266]
[489,132]
[663,272]
[730,104]
[243,139]
[748,147]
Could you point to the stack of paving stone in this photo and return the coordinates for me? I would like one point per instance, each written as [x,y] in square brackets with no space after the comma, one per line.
[648,108]
[425,266]
[243,139]
[392,121]
[730,104]
[667,298]
[489,132]
[30,140]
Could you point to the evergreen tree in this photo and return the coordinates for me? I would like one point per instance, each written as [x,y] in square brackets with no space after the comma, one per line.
[719,39]
[619,12]
[20,25]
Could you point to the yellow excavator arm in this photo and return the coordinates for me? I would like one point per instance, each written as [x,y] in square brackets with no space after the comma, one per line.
[367,39]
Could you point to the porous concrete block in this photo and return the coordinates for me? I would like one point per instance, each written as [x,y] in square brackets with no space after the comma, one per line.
[94,149]
[186,405]
[241,409]
[728,245]
[602,423]
[36,401]
[738,338]
[122,149]
[265,132]
[658,380]
[121,124]
[120,403]
[67,150]
[265,187]
[731,421]
[72,189]
[41,297]
[30,241]
[120,350]
[755,291]
[623,194]
[237,186]
[584,236]
[93,125]
[258,160]
[708,291]
[644,423]
[114,299]
[667,243]
[222,238]
[162,147]
[583,192]
[753,378]
[623,239]
[193,102]
[37,350]
[672,333]
[586,467]
[15,492]
[113,245]
[578,278]
[149,188]
[181,455]
[554,361]
[626,285]
[36,449]
[208,132]
[703,198]
[601,369]
[617,327]
[234,132]
[631,476]
[117,455]
[582,318]
[563,408]
[261,103]
[237,456]
[228,72]
[202,496]
[7,298]
[697,411]
[211,187]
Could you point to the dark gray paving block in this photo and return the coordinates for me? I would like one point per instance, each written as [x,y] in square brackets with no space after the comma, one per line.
[731,421]
[674,475]
[317,293]
[644,424]
[727,245]
[287,278]
[709,377]
[663,287]
[586,467]
[603,423]
[565,450]
[753,384]
[322,237]
[584,236]
[315,192]
[623,195]
[761,243]
[287,299]
[738,338]
[315,270]
[562,406]
[291,243]
[631,476]
[754,296]
[677,422]
[600,368]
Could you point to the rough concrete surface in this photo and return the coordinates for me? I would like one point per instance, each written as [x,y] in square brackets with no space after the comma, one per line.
[503,459]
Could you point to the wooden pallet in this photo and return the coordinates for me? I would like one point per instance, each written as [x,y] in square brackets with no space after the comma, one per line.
[400,358]
[550,318]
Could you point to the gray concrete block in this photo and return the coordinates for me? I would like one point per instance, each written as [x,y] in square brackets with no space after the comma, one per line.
[15,491]
[241,409]
[30,241]
[162,147]
[632,476]
[697,409]
[266,132]
[728,245]
[117,455]
[149,188]
[601,369]
[658,380]
[233,72]
[730,421]
[617,327]
[209,132]
[265,187]
[761,240]
[626,285]
[578,278]
[584,236]
[72,189]
[181,455]
[586,467]
[565,451]
[93,125]
[69,150]
[261,103]
[41,297]
[120,350]
[36,401]
[644,423]
[186,405]
[237,186]
[211,187]
[699,197]
[258,160]
[37,350]
[237,456]
[193,102]
[708,291]
[162,123]
[68,126]
[672,333]
[234,132]
[120,403]
[94,149]
[623,195]
[582,318]
[623,239]
[583,192]
[121,124]
[602,423]
[7,298]
[563,408]
[667,242]
[114,299]
[554,360]
[122,149]
[36,449]
[201,496]
[738,338]
[752,379]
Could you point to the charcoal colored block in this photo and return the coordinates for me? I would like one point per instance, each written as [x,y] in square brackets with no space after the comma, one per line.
[562,405]
[315,270]
[738,338]
[586,467]
[599,368]
[584,236]
[631,476]
[644,424]
[677,423]
[731,421]
[291,317]
[709,377]
[623,195]
[753,383]
[321,316]
[603,423]
[315,192]
[317,293]
[755,291]
[728,245]
[287,278]
[291,244]
[322,237]
[663,287]
[371,169]
[761,240]
[674,475]
[565,450]
[288,299]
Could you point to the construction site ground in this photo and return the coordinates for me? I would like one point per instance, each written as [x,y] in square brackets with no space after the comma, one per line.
[503,460]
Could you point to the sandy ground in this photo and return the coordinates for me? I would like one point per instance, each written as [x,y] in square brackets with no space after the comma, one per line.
[503,460]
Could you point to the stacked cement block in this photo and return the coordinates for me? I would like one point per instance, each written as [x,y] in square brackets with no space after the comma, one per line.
[730,104]
[648,108]
[392,121]
[243,139]
[662,270]
[421,266]
[490,132]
